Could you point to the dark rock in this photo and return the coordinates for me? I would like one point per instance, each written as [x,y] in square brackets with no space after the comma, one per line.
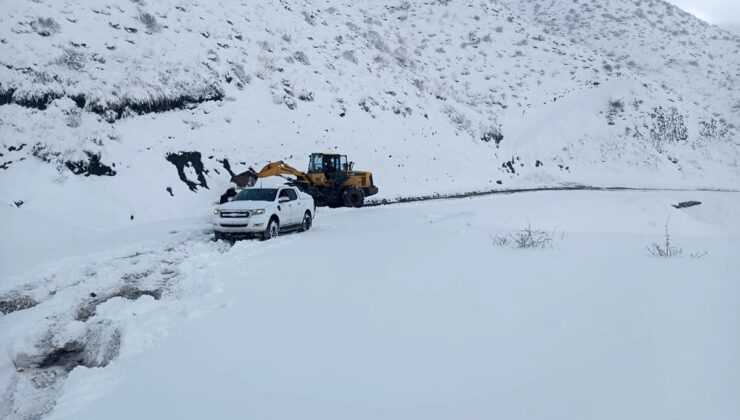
[91,167]
[685,204]
[189,159]
[226,165]
[494,135]
[509,166]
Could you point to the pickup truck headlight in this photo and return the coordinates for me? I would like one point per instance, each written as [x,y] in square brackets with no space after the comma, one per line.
[258,212]
[216,212]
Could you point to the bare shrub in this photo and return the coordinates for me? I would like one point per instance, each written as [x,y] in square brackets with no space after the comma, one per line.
[664,127]
[241,75]
[668,127]
[529,237]
[45,26]
[458,119]
[150,21]
[306,96]
[301,57]
[349,55]
[72,59]
[666,249]
[715,130]
[616,107]
[310,18]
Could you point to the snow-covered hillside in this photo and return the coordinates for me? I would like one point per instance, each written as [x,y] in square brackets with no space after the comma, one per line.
[698,62]
[433,97]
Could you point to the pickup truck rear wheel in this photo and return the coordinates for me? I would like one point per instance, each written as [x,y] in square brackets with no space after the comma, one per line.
[272,231]
[307,221]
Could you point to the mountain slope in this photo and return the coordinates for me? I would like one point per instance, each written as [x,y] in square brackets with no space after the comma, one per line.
[655,39]
[102,103]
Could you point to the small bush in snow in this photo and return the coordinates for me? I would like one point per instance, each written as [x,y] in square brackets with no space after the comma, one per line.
[616,107]
[349,55]
[529,237]
[150,21]
[73,117]
[458,119]
[665,126]
[72,59]
[714,130]
[310,18]
[241,75]
[666,248]
[668,127]
[301,57]
[305,96]
[45,26]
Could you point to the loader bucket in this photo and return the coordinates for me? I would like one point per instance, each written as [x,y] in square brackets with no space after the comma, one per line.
[245,179]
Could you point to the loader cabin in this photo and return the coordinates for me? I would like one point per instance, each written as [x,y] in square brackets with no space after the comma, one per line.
[328,164]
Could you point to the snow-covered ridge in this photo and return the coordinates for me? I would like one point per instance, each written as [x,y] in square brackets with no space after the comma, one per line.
[697,61]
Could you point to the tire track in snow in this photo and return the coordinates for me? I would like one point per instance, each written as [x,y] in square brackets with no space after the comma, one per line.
[81,312]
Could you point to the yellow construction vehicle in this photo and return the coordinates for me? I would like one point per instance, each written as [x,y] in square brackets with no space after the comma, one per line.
[330,180]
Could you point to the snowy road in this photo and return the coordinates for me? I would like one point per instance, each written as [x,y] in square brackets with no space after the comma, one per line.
[404,311]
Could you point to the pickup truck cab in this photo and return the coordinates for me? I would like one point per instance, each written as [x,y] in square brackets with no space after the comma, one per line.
[264,212]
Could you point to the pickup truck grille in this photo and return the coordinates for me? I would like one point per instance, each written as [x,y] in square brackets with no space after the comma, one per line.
[234,226]
[234,214]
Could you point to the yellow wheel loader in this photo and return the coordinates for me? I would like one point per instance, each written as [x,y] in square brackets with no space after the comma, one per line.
[330,180]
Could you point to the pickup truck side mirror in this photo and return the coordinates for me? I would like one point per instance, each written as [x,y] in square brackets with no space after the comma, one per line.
[283,199]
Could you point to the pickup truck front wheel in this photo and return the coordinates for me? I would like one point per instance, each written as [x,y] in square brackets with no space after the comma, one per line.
[272,231]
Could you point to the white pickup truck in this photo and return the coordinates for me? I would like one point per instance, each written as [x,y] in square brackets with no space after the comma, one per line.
[264,212]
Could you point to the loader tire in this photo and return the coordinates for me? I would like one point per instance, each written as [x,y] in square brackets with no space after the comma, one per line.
[353,197]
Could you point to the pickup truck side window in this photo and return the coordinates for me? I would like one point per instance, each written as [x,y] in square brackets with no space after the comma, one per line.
[291,194]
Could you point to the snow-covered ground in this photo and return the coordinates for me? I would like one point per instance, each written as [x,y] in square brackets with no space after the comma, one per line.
[403,311]
[120,124]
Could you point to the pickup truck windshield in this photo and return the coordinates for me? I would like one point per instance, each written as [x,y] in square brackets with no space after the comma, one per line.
[256,194]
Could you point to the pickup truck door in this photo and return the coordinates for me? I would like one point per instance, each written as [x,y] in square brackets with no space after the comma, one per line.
[288,209]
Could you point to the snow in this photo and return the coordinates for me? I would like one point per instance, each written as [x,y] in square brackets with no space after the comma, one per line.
[116,302]
[412,312]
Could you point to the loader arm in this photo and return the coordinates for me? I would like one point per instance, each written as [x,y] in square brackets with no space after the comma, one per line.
[279,168]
